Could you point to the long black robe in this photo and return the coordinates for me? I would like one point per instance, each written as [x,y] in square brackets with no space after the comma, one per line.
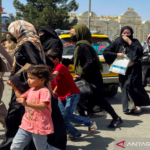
[134,93]
[29,54]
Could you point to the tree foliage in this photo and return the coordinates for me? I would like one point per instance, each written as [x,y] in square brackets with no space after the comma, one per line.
[46,12]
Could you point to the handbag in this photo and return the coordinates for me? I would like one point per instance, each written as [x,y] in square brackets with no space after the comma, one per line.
[84,87]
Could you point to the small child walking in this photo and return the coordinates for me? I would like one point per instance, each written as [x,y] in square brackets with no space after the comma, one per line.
[36,122]
[68,95]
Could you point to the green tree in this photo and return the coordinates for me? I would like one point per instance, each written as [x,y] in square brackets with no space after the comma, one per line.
[46,12]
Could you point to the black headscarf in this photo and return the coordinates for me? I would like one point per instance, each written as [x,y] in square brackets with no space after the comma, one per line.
[131,36]
[50,39]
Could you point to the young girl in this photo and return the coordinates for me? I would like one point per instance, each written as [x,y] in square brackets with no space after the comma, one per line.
[36,122]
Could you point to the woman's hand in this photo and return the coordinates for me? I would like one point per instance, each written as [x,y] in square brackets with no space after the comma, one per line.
[9,83]
[22,101]
[148,53]
[120,55]
[126,39]
[77,77]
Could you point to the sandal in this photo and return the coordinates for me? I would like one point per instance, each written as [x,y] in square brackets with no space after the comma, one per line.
[137,110]
[92,128]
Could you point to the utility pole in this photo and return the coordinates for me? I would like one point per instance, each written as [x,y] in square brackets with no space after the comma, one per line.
[89,16]
[0,20]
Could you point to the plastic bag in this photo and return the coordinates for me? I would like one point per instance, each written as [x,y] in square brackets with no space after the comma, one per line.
[120,65]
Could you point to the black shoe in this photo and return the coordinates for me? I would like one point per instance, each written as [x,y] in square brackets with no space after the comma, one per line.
[115,123]
[128,112]
[73,137]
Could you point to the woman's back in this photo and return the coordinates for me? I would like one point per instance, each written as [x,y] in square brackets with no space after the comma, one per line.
[27,53]
[87,59]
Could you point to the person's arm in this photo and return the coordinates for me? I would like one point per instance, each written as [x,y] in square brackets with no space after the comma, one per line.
[54,91]
[86,52]
[54,75]
[109,53]
[17,92]
[41,106]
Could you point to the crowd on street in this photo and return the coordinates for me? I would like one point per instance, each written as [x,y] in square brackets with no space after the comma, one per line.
[45,95]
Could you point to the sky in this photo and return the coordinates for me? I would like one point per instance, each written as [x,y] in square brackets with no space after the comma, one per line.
[100,7]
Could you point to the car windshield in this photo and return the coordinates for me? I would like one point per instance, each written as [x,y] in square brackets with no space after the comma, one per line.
[99,44]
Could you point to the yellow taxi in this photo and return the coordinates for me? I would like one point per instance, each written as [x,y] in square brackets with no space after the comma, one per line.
[99,43]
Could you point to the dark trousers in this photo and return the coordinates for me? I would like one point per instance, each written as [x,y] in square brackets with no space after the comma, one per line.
[97,98]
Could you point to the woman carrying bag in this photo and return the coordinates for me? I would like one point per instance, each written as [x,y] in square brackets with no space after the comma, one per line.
[134,95]
[28,52]
[87,67]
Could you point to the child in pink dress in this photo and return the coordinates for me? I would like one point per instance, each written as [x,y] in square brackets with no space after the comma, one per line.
[36,122]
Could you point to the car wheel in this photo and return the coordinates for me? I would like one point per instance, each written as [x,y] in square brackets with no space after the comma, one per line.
[113,89]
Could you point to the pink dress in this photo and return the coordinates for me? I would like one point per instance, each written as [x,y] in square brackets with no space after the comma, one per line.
[38,121]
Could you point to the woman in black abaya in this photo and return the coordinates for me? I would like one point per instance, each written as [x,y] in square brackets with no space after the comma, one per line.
[133,93]
[29,50]
[50,39]
[87,67]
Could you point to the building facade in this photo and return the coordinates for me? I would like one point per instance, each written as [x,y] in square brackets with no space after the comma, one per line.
[111,26]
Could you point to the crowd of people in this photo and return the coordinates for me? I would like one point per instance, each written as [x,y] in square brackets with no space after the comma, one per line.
[44,94]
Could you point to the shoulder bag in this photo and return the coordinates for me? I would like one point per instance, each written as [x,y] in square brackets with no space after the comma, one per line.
[146,58]
[84,87]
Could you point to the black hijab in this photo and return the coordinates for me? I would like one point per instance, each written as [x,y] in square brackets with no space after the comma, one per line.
[122,42]
[50,39]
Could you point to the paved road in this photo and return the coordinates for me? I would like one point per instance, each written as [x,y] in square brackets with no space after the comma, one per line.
[137,126]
